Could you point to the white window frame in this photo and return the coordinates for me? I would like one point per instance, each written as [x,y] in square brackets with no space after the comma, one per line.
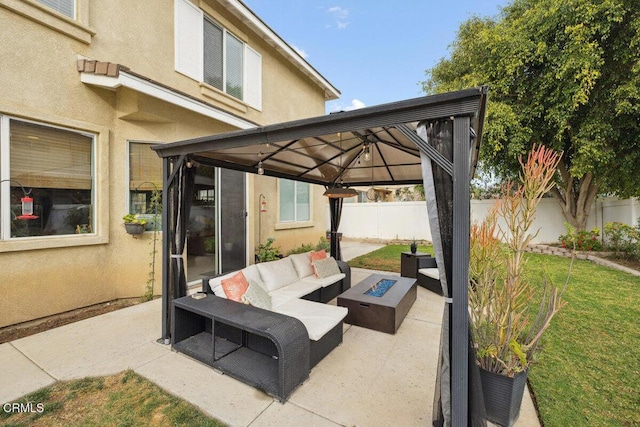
[5,186]
[189,53]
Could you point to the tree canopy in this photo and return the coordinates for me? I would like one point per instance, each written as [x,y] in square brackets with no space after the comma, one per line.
[563,73]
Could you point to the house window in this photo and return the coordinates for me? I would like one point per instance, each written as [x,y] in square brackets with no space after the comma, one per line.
[145,183]
[295,203]
[209,53]
[56,166]
[66,7]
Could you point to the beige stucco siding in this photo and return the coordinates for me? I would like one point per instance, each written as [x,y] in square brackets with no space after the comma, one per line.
[40,83]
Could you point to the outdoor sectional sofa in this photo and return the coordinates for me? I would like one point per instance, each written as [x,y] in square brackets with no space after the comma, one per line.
[298,331]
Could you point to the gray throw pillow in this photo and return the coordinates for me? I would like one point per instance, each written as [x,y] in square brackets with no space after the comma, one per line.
[326,267]
[257,296]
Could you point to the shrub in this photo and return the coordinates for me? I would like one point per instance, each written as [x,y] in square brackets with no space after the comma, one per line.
[581,240]
[623,239]
[322,244]
[302,249]
[267,252]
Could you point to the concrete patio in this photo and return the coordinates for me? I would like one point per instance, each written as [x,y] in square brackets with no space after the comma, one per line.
[372,379]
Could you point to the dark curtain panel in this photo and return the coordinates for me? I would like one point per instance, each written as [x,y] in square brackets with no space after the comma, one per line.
[335,208]
[438,186]
[178,193]
[439,194]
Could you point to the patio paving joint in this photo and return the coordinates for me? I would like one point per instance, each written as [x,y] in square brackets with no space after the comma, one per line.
[34,362]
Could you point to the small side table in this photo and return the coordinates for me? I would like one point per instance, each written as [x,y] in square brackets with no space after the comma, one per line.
[409,263]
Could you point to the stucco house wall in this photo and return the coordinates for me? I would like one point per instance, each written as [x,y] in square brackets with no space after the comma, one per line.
[41,82]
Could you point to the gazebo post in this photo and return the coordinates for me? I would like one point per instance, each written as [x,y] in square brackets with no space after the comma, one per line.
[166,333]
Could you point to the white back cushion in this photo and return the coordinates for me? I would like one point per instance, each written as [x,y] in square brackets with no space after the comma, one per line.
[216,284]
[252,273]
[302,264]
[276,274]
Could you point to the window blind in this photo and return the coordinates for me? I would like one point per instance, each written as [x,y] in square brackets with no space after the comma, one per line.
[287,200]
[145,168]
[213,56]
[235,68]
[302,202]
[66,7]
[44,157]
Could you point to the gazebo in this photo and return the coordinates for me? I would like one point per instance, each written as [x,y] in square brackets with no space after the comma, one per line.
[432,140]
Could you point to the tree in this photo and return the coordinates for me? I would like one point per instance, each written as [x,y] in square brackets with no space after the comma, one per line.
[564,73]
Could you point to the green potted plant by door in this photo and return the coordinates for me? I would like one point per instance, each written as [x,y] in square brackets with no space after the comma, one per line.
[508,313]
[134,224]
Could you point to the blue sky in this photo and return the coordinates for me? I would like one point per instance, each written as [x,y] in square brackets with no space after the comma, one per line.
[373,51]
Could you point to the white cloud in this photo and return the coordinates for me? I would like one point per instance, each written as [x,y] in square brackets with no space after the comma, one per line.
[300,52]
[355,105]
[341,15]
[339,12]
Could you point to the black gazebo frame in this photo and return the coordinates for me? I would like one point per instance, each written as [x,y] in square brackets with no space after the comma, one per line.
[433,140]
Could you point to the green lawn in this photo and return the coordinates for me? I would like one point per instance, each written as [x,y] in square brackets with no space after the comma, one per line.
[588,373]
[123,400]
[386,258]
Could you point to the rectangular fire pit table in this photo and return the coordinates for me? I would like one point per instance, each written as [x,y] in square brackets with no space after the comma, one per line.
[379,302]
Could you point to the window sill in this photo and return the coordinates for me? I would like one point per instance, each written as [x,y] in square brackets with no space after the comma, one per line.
[50,242]
[221,97]
[294,224]
[40,13]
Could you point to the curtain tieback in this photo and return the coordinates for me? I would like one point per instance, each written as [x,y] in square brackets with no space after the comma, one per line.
[448,300]
[178,256]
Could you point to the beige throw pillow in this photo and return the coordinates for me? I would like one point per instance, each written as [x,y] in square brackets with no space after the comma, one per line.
[257,296]
[326,267]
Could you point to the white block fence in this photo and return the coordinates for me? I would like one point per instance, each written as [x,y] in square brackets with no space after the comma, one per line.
[408,220]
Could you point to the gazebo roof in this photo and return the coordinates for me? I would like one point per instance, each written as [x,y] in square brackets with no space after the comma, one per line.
[329,150]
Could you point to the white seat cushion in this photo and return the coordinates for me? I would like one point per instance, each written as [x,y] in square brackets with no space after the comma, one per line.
[325,281]
[294,290]
[276,274]
[317,318]
[434,273]
[302,264]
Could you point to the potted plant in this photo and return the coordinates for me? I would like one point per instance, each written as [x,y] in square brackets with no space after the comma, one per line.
[505,325]
[134,224]
[413,246]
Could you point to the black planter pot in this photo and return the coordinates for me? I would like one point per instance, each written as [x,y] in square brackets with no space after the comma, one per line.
[502,396]
[134,229]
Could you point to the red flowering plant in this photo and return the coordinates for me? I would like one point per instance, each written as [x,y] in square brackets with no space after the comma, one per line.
[580,240]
